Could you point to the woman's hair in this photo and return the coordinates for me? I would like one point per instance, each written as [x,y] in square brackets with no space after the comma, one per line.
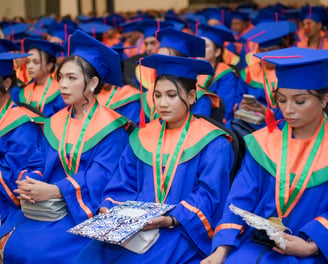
[88,72]
[13,78]
[217,61]
[180,83]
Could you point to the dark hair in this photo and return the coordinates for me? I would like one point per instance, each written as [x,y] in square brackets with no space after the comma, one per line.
[48,57]
[88,72]
[180,83]
[217,61]
[13,82]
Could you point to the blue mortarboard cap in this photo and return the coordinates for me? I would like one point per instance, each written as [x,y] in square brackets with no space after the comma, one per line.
[129,26]
[6,62]
[44,45]
[266,15]
[171,12]
[105,60]
[69,22]
[149,26]
[240,15]
[16,31]
[120,50]
[315,13]
[60,30]
[177,22]
[7,45]
[115,20]
[194,21]
[222,15]
[94,28]
[187,44]
[36,33]
[292,13]
[177,66]
[269,33]
[218,34]
[44,22]
[84,18]
[295,65]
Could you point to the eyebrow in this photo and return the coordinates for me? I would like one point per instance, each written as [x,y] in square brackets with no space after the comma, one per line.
[296,95]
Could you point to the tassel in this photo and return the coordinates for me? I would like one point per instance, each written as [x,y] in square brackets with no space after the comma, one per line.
[142,118]
[270,120]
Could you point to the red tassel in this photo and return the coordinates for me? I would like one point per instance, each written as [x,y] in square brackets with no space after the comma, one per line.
[270,120]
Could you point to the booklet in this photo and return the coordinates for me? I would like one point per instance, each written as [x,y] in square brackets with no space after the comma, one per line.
[272,227]
[122,222]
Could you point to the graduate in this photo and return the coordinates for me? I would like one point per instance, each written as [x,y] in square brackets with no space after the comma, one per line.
[20,136]
[314,18]
[63,182]
[283,173]
[224,81]
[43,91]
[177,159]
[253,79]
[181,44]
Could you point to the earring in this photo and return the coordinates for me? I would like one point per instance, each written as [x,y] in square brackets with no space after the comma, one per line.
[323,105]
[92,89]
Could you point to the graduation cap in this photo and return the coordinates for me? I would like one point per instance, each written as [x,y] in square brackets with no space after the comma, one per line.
[105,60]
[267,15]
[240,15]
[6,62]
[315,13]
[292,13]
[177,66]
[194,21]
[218,34]
[269,33]
[129,26]
[16,31]
[7,45]
[94,29]
[149,27]
[189,45]
[60,30]
[177,22]
[44,45]
[36,33]
[222,15]
[84,18]
[295,65]
[44,22]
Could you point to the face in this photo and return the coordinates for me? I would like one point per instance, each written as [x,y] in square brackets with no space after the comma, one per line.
[302,110]
[71,82]
[311,28]
[132,37]
[266,64]
[36,65]
[237,26]
[151,45]
[169,105]
[211,52]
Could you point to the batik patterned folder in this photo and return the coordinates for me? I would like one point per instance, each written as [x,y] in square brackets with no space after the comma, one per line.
[122,222]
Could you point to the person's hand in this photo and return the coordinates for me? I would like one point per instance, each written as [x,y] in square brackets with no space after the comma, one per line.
[36,191]
[257,107]
[159,222]
[296,246]
[218,256]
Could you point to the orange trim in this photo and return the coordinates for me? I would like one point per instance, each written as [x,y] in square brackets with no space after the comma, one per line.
[322,221]
[201,216]
[79,197]
[113,201]
[8,191]
[21,174]
[3,242]
[229,226]
[38,172]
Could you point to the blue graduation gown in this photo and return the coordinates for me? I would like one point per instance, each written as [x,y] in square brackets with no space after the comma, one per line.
[198,190]
[254,190]
[49,242]
[19,138]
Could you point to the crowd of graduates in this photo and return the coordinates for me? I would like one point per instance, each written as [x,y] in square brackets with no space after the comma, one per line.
[200,109]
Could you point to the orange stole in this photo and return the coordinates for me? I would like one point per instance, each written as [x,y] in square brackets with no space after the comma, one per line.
[202,79]
[121,94]
[198,129]
[298,149]
[101,118]
[254,73]
[323,42]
